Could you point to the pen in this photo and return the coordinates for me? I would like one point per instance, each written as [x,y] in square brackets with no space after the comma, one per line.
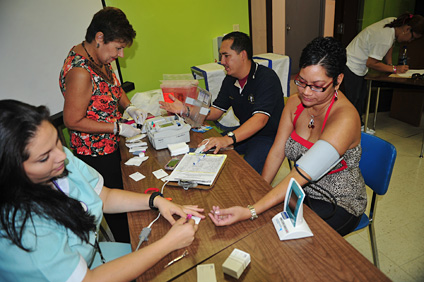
[199,159]
[177,259]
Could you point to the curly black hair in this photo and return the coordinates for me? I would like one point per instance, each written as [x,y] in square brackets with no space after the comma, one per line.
[326,52]
[114,25]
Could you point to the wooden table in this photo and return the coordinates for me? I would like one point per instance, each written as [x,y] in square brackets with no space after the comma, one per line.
[238,184]
[326,255]
[383,80]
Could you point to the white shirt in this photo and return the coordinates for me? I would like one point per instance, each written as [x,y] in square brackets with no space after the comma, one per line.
[372,42]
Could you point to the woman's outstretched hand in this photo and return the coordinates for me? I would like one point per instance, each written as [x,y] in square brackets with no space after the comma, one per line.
[223,217]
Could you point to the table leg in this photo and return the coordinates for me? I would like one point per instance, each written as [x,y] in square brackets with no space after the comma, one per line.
[376,106]
[367,113]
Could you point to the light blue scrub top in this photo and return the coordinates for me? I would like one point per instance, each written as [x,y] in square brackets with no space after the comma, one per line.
[57,253]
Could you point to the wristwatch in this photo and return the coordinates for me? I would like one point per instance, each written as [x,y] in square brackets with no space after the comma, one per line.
[231,134]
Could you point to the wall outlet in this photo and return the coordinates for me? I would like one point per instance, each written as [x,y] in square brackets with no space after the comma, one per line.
[236,27]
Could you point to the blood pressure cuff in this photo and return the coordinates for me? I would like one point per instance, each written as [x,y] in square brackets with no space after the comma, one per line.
[319,160]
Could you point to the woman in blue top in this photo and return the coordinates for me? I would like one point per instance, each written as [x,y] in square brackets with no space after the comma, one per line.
[51,205]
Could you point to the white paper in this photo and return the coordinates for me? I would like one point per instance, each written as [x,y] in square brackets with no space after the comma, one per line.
[196,219]
[136,161]
[137,176]
[136,144]
[138,149]
[160,173]
[407,74]
[135,138]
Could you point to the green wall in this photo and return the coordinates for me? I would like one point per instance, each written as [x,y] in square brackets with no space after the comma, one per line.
[375,10]
[173,36]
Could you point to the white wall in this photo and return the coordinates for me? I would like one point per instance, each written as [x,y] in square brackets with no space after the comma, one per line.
[35,37]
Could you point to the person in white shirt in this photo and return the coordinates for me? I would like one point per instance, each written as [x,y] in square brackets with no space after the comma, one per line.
[371,46]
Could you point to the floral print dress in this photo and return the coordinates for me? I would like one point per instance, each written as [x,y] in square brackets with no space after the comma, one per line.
[103,106]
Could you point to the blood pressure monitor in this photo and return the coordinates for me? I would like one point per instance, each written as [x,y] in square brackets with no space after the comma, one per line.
[290,223]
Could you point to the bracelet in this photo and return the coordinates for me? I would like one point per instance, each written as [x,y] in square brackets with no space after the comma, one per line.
[152,198]
[115,128]
[129,105]
[394,68]
[252,212]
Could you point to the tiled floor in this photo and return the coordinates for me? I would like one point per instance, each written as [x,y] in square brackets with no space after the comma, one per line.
[399,218]
[399,224]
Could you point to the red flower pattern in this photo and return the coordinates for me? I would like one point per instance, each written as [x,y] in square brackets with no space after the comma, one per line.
[103,107]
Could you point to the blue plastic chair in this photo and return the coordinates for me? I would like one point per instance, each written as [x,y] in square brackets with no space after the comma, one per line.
[377,161]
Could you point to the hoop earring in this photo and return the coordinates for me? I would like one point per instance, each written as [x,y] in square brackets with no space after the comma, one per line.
[336,94]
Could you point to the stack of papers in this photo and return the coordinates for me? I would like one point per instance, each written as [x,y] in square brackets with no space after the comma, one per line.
[178,148]
[199,168]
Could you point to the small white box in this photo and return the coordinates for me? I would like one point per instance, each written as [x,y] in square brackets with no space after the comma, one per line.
[236,263]
[178,149]
[206,273]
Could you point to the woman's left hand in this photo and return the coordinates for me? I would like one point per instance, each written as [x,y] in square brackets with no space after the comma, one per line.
[168,209]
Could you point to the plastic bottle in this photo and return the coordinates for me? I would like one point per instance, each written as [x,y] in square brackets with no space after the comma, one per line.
[403,56]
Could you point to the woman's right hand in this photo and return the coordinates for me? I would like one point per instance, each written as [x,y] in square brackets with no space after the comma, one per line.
[402,68]
[181,233]
[177,107]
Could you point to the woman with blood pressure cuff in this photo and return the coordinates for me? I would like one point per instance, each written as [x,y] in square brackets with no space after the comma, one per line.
[320,131]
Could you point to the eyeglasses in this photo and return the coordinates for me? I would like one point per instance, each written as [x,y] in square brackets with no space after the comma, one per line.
[417,76]
[313,87]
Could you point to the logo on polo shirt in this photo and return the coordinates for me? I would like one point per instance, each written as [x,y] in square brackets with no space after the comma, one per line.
[251,99]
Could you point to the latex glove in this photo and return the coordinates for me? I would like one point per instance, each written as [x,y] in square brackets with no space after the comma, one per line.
[127,130]
[138,115]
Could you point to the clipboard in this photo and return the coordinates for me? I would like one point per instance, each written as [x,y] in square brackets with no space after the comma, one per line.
[198,171]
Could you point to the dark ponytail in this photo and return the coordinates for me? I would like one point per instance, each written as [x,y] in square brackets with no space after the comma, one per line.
[416,22]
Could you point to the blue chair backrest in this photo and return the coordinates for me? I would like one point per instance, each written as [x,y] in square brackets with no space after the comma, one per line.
[377,162]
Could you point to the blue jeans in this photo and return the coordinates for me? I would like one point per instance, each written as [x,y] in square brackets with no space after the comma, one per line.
[255,149]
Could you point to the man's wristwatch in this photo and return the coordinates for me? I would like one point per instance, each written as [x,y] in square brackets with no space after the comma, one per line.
[231,134]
